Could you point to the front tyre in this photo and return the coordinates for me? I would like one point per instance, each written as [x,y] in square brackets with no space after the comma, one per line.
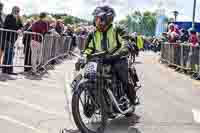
[85,106]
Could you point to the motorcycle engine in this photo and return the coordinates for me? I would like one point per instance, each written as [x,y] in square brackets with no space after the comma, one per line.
[124,103]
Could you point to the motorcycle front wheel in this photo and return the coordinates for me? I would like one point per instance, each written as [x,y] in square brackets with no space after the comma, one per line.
[84,107]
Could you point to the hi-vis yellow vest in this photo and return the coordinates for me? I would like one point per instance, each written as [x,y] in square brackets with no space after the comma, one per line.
[140,42]
[95,42]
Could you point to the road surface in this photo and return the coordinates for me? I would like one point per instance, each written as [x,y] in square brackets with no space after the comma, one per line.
[169,101]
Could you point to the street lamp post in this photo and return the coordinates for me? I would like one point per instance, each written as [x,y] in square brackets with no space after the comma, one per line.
[194,13]
[175,15]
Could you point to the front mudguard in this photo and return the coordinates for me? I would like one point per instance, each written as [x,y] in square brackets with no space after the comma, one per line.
[79,86]
[84,83]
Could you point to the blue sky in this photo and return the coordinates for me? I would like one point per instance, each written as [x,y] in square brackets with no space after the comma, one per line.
[83,8]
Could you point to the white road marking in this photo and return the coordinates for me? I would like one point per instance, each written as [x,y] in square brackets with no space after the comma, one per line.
[32,106]
[14,121]
[4,83]
[32,91]
[196,115]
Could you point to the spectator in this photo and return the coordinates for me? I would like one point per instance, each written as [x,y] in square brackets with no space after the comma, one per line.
[12,22]
[53,39]
[173,33]
[28,24]
[156,44]
[193,39]
[177,30]
[147,43]
[70,32]
[2,19]
[84,32]
[184,35]
[140,41]
[59,27]
[42,27]
[52,27]
[171,29]
[52,23]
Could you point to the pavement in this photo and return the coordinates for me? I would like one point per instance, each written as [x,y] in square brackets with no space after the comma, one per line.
[169,101]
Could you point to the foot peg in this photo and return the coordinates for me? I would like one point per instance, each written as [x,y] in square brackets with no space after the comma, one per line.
[137,101]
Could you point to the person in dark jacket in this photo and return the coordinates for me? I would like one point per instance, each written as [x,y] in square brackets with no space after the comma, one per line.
[2,19]
[12,22]
[184,35]
[59,27]
[70,32]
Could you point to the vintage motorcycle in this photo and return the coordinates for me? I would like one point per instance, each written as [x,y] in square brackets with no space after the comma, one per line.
[98,95]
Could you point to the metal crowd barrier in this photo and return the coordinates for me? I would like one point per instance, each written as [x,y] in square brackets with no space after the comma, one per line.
[81,41]
[55,47]
[7,41]
[15,51]
[33,43]
[182,56]
[30,51]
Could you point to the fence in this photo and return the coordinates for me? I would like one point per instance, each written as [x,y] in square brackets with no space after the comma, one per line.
[30,50]
[182,56]
[55,47]
[81,41]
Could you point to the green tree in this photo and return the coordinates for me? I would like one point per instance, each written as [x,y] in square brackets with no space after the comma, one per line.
[68,20]
[141,22]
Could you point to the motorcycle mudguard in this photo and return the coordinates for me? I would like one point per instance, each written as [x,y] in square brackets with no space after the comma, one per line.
[76,81]
[84,83]
[78,86]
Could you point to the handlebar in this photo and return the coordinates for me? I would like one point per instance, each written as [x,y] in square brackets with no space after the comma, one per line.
[99,57]
[98,54]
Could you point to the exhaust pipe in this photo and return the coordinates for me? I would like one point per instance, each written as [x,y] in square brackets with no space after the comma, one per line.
[117,105]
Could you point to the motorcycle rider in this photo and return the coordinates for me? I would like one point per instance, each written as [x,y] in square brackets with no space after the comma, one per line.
[106,38]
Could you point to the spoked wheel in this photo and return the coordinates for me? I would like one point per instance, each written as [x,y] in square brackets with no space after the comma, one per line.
[88,114]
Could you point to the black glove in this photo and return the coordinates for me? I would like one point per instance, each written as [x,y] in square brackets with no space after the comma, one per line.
[77,66]
[80,63]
